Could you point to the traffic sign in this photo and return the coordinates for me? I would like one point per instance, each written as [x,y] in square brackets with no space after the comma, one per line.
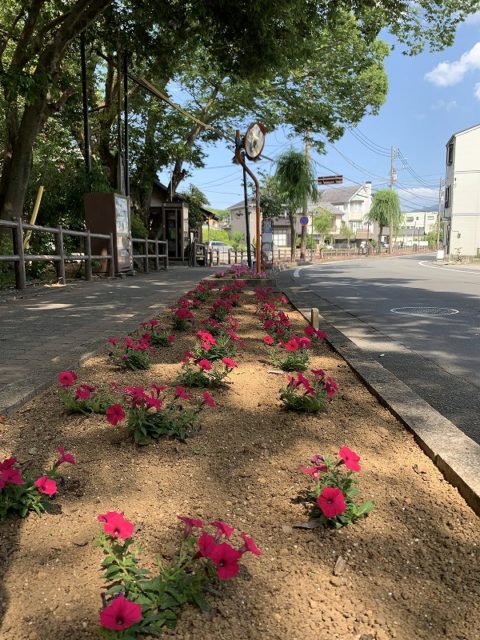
[330,180]
[304,220]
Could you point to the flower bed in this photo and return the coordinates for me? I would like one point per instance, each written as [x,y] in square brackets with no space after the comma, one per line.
[408,570]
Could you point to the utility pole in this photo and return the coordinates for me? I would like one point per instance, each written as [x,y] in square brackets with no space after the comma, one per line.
[440,193]
[303,240]
[393,177]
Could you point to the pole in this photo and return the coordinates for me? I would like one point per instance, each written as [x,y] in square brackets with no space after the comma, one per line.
[311,241]
[258,225]
[303,237]
[86,127]
[125,124]
[393,152]
[247,219]
[120,181]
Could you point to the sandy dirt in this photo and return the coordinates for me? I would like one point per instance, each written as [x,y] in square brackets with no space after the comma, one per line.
[412,566]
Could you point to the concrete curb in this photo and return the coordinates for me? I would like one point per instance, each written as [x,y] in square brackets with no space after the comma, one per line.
[456,455]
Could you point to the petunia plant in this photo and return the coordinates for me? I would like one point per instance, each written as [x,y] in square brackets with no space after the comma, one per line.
[332,499]
[208,347]
[22,490]
[131,354]
[152,413]
[292,355]
[158,336]
[205,373]
[83,398]
[308,395]
[139,601]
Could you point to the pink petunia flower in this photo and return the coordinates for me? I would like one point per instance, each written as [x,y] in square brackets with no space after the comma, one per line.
[116,526]
[207,399]
[190,523]
[84,391]
[45,485]
[206,545]
[331,387]
[181,393]
[222,529]
[171,339]
[349,458]
[226,560]
[10,476]
[331,502]
[268,340]
[64,457]
[7,463]
[114,341]
[205,365]
[249,545]
[115,414]
[66,378]
[228,362]
[120,614]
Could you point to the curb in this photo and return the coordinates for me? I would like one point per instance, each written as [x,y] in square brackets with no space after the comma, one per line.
[456,455]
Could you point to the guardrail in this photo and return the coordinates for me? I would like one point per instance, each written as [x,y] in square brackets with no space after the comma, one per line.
[20,257]
[151,255]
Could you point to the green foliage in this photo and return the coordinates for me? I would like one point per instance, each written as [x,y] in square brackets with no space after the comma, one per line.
[385,211]
[194,376]
[237,240]
[290,361]
[224,347]
[173,420]
[96,403]
[139,230]
[196,203]
[215,234]
[323,221]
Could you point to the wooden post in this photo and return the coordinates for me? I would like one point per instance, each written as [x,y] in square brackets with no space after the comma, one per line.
[20,275]
[145,260]
[229,256]
[88,259]
[60,264]
[314,318]
[111,262]
[157,259]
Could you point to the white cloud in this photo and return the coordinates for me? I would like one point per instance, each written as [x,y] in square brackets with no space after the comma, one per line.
[444,105]
[423,192]
[477,91]
[447,74]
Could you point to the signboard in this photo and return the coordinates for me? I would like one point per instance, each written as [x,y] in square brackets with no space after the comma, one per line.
[267,235]
[304,220]
[330,180]
[122,223]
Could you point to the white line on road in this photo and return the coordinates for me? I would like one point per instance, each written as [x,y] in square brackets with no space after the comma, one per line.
[455,270]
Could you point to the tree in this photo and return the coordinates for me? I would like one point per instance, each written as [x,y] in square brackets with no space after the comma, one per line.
[347,232]
[295,181]
[385,211]
[196,204]
[323,222]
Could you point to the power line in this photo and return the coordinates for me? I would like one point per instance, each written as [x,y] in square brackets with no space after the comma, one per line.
[379,151]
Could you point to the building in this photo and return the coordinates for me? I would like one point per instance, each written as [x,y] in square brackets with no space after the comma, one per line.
[426,221]
[462,193]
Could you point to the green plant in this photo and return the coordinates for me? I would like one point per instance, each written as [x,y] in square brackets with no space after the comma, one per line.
[131,354]
[204,373]
[212,348]
[331,501]
[307,396]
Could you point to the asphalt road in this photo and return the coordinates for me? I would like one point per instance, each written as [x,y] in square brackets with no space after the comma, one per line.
[436,355]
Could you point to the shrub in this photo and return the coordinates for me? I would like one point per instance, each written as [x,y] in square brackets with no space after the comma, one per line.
[331,501]
[131,354]
[82,399]
[204,373]
[143,602]
[307,396]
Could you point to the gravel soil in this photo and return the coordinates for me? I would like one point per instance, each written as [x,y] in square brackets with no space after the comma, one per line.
[411,567]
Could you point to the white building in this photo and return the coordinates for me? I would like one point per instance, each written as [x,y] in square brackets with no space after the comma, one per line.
[422,221]
[462,193]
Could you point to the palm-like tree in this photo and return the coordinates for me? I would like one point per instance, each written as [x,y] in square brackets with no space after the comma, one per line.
[385,211]
[296,183]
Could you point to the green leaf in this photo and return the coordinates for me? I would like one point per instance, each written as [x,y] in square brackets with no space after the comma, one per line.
[201,603]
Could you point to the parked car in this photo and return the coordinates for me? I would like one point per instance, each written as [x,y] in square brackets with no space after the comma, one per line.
[222,247]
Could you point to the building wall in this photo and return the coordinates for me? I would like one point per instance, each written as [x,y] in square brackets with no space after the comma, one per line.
[462,215]
[419,219]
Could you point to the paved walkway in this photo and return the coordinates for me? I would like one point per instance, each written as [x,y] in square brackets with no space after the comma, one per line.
[45,331]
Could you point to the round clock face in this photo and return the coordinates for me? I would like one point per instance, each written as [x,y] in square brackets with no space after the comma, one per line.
[254,140]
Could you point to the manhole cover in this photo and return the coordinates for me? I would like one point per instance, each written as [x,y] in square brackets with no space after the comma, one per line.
[424,311]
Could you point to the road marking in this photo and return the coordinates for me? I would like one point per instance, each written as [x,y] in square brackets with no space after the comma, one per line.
[296,273]
[430,266]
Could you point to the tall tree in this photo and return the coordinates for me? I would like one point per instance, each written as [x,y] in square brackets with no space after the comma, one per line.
[296,182]
[385,211]
[323,222]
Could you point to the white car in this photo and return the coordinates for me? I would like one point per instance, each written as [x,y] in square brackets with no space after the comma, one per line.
[222,249]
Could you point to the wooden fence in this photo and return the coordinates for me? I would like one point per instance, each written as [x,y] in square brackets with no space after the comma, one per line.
[60,258]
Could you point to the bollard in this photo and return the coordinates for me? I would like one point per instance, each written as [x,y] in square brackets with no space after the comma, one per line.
[314,318]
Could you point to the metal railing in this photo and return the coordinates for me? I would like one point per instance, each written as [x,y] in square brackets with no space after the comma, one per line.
[151,252]
[20,257]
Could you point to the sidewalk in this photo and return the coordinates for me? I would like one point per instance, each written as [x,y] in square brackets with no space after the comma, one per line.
[47,330]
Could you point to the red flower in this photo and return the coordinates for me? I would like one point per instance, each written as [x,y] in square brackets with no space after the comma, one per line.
[226,560]
[268,340]
[46,485]
[181,393]
[187,356]
[184,314]
[207,399]
[120,614]
[65,457]
[66,378]
[114,341]
[349,458]
[7,463]
[171,339]
[153,403]
[249,545]
[116,526]
[205,365]
[321,335]
[332,502]
[206,545]
[331,387]
[152,323]
[189,524]
[206,336]
[158,388]
[222,529]
[318,373]
[304,342]
[10,476]
[314,471]
[115,414]
[228,362]
[292,345]
[84,391]
[309,331]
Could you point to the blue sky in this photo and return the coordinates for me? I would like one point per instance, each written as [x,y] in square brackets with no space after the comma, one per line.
[430,96]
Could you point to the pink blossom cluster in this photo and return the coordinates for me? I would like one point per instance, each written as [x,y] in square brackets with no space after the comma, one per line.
[311,387]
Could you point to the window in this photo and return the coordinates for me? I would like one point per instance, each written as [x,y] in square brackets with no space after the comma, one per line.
[447,197]
[450,153]
[280,239]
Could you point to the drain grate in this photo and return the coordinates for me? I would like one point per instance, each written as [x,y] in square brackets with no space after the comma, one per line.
[425,311]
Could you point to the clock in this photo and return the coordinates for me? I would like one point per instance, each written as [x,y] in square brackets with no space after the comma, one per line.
[254,140]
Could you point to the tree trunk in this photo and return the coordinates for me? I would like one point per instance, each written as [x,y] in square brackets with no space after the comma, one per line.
[293,236]
[379,248]
[303,243]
